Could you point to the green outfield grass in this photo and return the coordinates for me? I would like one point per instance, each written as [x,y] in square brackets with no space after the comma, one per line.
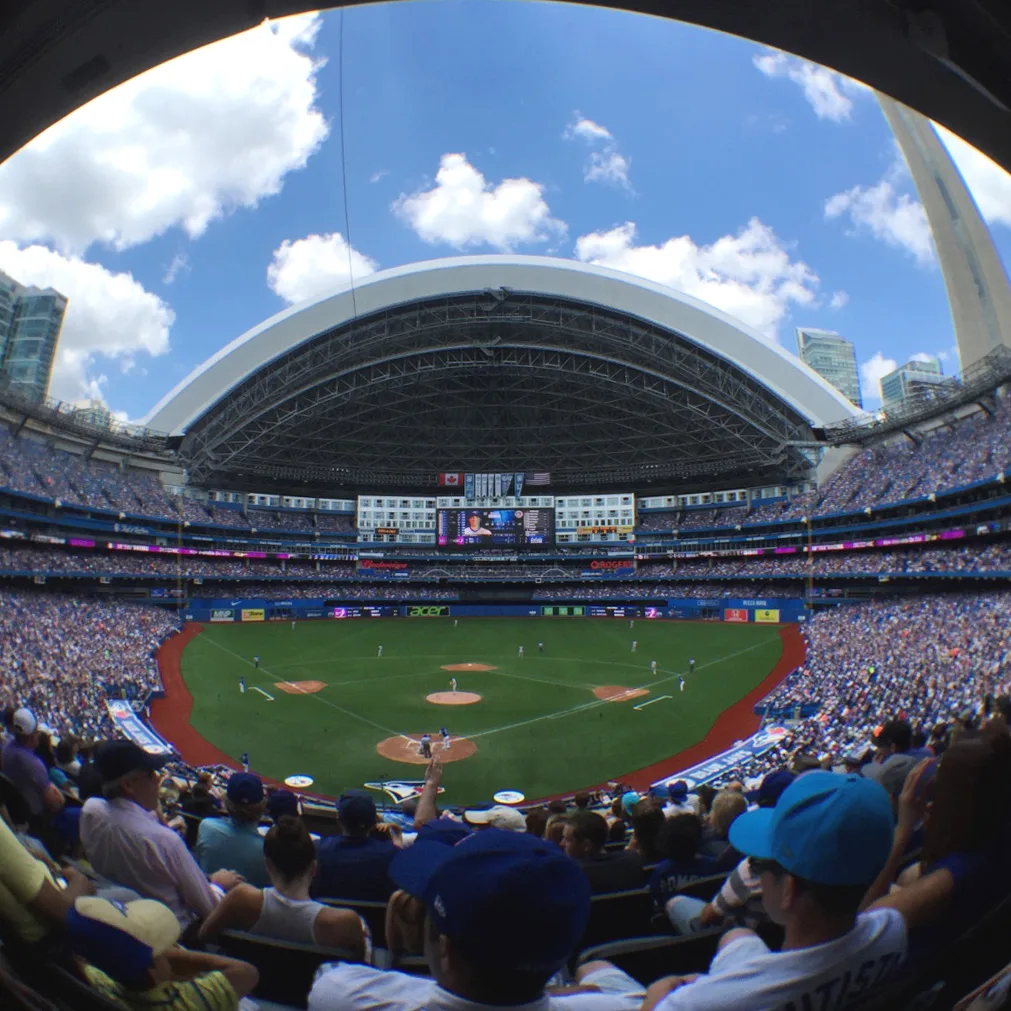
[538,726]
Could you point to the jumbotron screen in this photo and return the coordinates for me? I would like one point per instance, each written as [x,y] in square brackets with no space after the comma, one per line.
[475,528]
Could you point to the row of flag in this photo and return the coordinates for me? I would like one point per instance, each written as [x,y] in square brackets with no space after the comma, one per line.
[495,485]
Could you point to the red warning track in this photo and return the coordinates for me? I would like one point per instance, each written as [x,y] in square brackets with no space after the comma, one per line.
[733,724]
[171,715]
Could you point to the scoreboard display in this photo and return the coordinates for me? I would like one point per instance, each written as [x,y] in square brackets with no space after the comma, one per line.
[476,528]
[363,611]
[606,611]
[562,611]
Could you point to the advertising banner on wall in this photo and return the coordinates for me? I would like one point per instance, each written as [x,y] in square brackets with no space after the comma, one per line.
[222,614]
[427,610]
[253,614]
[735,614]
[131,726]
[767,615]
[722,765]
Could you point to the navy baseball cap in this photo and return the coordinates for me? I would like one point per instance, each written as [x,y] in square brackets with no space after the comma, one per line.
[114,759]
[357,809]
[678,791]
[444,830]
[773,786]
[281,803]
[827,828]
[506,900]
[244,788]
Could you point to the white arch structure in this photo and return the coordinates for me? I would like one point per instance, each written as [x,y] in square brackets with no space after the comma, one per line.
[776,369]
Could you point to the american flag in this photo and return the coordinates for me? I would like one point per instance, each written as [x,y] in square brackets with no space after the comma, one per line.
[538,478]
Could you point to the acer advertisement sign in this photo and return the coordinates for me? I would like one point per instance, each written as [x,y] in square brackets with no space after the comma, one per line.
[735,614]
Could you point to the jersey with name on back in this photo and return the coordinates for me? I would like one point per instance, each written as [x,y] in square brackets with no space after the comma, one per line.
[833,975]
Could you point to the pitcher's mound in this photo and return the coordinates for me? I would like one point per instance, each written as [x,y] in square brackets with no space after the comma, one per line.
[453,698]
[300,687]
[615,693]
[468,666]
[405,749]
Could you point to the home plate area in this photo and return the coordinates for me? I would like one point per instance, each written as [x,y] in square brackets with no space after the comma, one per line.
[407,748]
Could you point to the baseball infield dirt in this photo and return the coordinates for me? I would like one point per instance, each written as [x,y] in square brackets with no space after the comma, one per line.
[453,698]
[615,693]
[468,666]
[405,749]
[300,687]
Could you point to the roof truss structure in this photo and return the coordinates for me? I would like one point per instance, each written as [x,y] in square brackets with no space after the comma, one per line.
[496,381]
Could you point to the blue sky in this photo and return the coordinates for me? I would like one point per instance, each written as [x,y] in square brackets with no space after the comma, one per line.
[201,198]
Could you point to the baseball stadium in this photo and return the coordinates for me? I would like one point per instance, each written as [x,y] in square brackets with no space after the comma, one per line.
[521,542]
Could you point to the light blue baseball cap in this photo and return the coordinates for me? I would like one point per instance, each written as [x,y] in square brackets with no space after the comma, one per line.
[826,828]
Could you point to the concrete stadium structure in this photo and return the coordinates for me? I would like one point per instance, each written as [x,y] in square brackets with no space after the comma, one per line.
[977,283]
[540,358]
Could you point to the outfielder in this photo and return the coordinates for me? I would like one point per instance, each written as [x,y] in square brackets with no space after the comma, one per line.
[242,685]
[681,682]
[635,645]
[380,653]
[691,665]
[652,667]
[256,662]
[521,651]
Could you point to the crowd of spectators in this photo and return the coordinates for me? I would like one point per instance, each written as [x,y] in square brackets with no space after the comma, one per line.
[63,656]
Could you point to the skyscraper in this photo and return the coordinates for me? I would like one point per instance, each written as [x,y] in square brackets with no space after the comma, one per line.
[833,358]
[978,291]
[913,383]
[30,323]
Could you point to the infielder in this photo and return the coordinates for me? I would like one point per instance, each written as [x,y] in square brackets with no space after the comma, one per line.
[256,662]
[652,667]
[242,685]
[452,683]
[425,748]
[445,739]
[691,665]
[540,647]
[380,653]
[521,651]
[681,682]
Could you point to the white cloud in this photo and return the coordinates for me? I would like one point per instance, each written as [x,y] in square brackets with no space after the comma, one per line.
[314,266]
[587,129]
[893,217]
[871,372]
[181,145]
[376,176]
[749,275]
[607,167]
[988,183]
[180,265]
[838,299]
[463,209]
[110,317]
[828,93]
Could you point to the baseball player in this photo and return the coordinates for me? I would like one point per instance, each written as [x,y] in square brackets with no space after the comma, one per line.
[691,665]
[245,761]
[681,682]
[635,645]
[425,748]
[445,739]
[452,683]
[521,652]
[631,624]
[380,653]
[242,685]
[540,647]
[652,667]
[456,622]
[256,662]
[293,626]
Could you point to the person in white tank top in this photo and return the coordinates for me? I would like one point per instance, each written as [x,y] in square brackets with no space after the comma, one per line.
[284,911]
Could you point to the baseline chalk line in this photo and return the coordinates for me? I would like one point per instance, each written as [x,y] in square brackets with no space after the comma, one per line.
[659,698]
[266,695]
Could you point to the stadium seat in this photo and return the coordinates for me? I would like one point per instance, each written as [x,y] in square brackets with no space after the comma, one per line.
[68,991]
[647,959]
[373,913]
[704,888]
[618,915]
[286,969]
[12,799]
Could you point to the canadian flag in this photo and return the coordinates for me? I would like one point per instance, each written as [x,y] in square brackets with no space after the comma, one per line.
[451,480]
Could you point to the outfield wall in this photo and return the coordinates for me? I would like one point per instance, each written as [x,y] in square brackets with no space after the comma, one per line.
[760,610]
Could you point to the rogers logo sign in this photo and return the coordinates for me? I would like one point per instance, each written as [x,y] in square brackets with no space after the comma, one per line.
[620,564]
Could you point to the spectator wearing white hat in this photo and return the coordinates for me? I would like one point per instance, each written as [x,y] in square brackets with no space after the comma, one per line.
[26,770]
[499,816]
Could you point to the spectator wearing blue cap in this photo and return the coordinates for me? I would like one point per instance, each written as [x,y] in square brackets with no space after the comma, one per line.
[354,865]
[504,911]
[816,852]
[234,842]
[678,801]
